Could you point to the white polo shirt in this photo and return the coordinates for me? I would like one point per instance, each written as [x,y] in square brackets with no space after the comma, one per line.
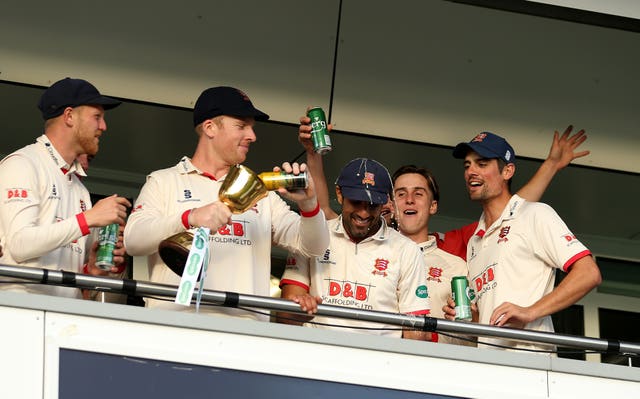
[441,268]
[515,259]
[384,272]
[240,253]
[38,223]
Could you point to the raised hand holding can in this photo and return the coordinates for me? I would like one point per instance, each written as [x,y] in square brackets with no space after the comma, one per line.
[319,133]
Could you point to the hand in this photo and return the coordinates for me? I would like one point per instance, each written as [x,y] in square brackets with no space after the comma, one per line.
[108,210]
[119,253]
[306,199]
[213,216]
[563,147]
[119,257]
[449,309]
[307,303]
[304,132]
[511,315]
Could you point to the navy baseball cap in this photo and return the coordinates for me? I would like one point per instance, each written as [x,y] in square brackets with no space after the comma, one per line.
[367,180]
[487,145]
[70,92]
[223,100]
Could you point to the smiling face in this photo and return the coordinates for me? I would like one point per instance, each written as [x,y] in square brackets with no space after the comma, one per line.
[360,219]
[484,179]
[415,204]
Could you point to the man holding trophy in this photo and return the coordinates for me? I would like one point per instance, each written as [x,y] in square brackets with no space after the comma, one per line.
[202,191]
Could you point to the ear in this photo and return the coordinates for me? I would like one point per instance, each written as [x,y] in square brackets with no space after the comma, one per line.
[508,171]
[68,116]
[339,195]
[433,208]
[209,128]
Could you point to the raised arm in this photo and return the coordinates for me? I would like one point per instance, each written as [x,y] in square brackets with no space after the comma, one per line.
[562,152]
[315,167]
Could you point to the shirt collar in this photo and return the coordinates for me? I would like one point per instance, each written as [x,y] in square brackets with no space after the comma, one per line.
[55,155]
[509,212]
[185,166]
[429,245]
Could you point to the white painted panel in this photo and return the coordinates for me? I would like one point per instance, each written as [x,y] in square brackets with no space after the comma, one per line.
[440,72]
[565,386]
[21,351]
[280,53]
[274,356]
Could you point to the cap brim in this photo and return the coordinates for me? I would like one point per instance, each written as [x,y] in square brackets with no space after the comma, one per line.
[461,150]
[362,194]
[106,102]
[257,115]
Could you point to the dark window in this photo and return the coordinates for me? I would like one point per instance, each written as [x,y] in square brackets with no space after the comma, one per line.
[619,325]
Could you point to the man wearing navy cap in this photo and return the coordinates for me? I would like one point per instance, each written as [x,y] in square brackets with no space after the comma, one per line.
[516,249]
[185,197]
[46,215]
[367,265]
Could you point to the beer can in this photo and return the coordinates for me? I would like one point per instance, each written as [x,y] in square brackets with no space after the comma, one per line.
[275,180]
[319,132]
[107,239]
[462,297]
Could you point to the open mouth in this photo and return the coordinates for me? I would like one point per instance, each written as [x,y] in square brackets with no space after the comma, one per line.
[361,222]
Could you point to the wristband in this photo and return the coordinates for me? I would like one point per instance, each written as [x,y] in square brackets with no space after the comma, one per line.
[82,222]
[311,213]
[185,219]
[85,268]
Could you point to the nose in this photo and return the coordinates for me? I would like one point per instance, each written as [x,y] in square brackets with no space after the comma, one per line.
[471,170]
[102,125]
[252,135]
[409,199]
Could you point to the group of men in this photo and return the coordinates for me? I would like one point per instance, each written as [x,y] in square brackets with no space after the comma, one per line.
[354,259]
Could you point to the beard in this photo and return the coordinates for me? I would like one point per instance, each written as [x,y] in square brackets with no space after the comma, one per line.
[88,143]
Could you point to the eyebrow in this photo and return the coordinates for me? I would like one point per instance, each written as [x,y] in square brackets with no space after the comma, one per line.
[407,188]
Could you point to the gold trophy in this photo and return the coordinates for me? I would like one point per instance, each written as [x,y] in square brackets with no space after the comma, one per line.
[240,191]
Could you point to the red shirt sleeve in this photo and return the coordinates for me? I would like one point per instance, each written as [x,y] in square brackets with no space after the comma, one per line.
[455,241]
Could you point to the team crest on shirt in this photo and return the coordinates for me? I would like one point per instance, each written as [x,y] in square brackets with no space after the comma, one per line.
[380,267]
[369,178]
[434,274]
[502,237]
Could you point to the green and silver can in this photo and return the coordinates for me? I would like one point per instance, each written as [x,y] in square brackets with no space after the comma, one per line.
[107,240]
[319,132]
[462,297]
